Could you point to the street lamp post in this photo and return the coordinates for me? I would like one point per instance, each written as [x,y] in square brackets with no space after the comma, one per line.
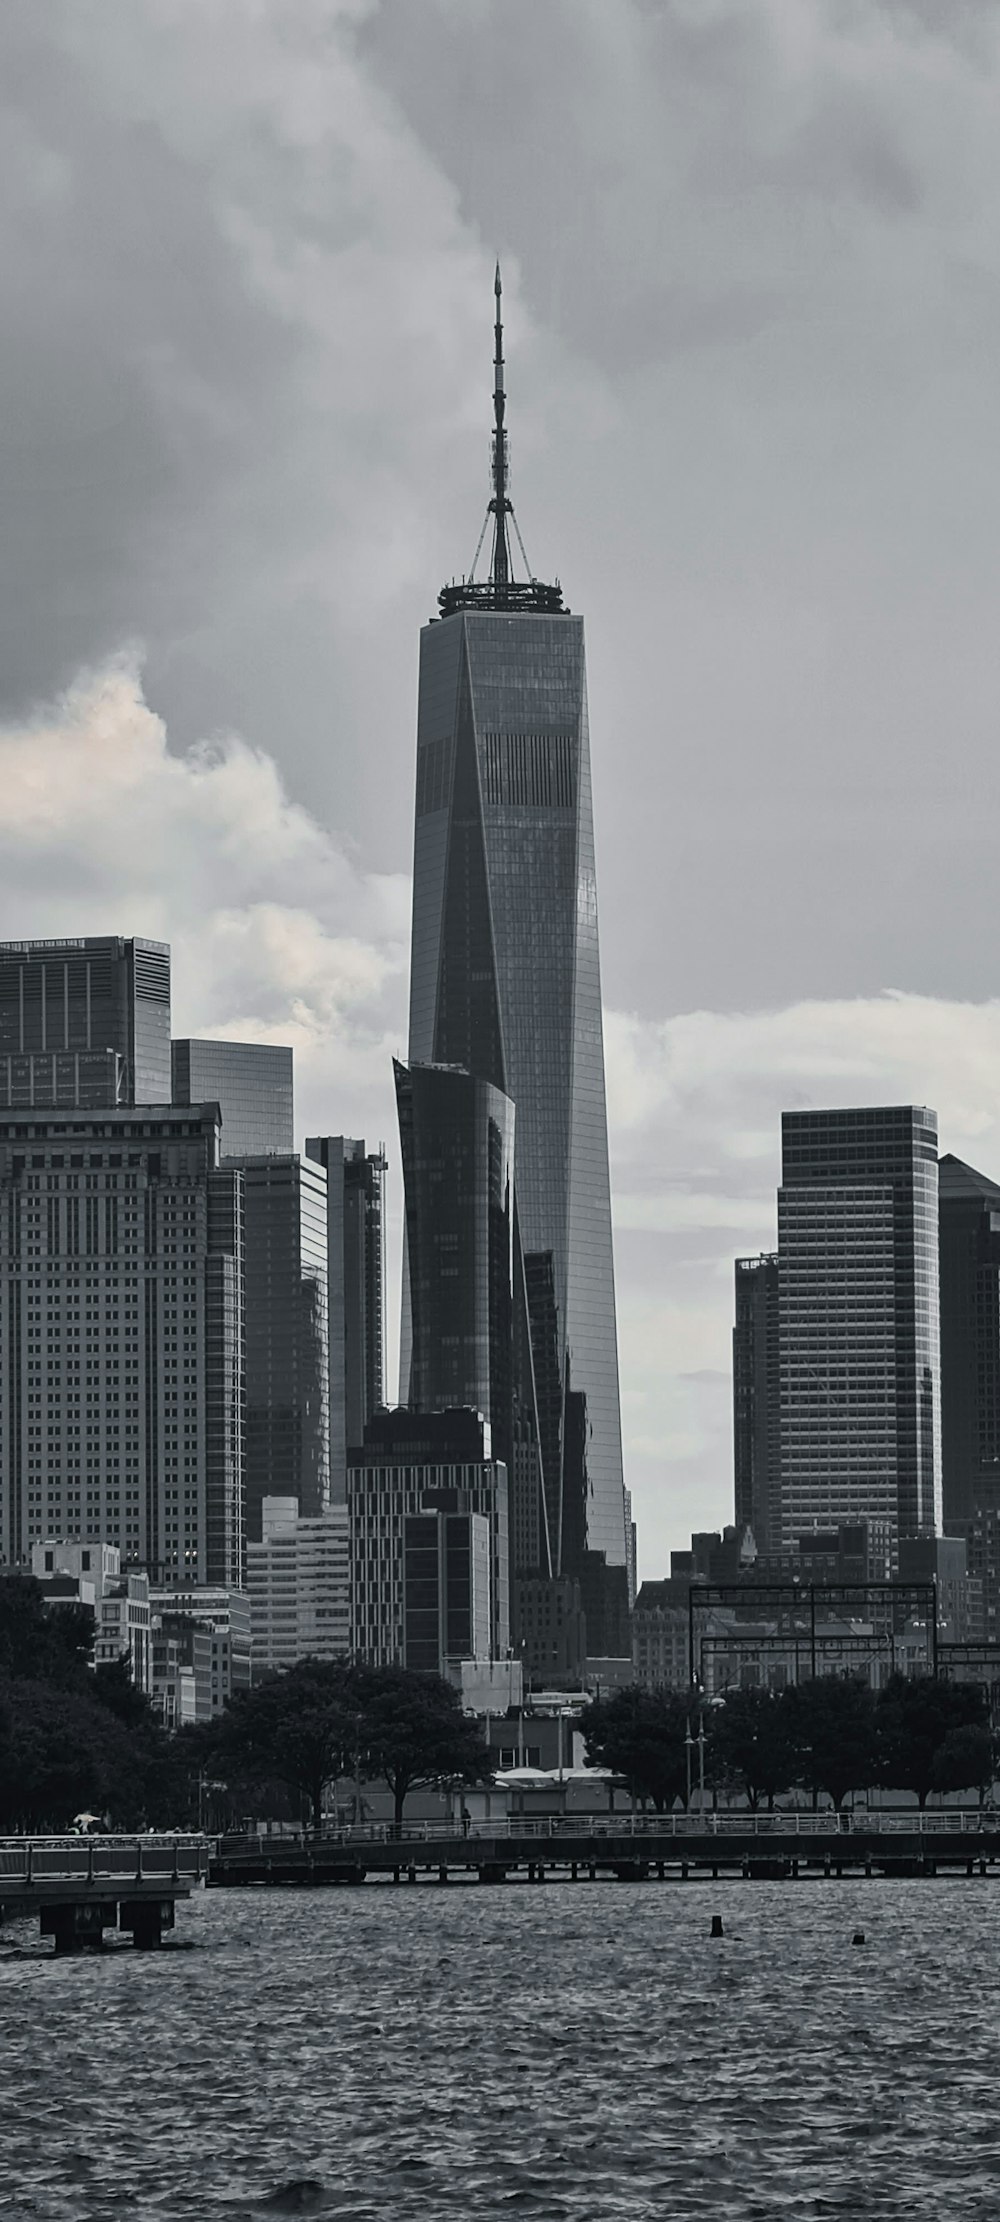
[688,1747]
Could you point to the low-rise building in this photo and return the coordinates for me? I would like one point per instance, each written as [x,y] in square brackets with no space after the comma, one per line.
[225,1613]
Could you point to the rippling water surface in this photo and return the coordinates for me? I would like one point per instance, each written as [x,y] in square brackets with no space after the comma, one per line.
[547,2051]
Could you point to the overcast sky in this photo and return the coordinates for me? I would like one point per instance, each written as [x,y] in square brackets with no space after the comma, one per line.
[751,261]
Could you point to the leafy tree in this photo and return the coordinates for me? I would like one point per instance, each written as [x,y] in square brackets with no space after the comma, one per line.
[113,1687]
[966,1760]
[302,1727]
[641,1735]
[61,1754]
[916,1714]
[753,1740]
[415,1732]
[40,1642]
[832,1724]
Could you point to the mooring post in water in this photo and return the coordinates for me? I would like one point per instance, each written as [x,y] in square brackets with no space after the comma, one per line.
[717,1928]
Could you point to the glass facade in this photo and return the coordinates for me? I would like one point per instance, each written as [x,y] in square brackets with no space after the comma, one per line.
[64,1004]
[970,1342]
[252,1084]
[457,1145]
[505,983]
[355,1208]
[756,1400]
[287,1344]
[859,1320]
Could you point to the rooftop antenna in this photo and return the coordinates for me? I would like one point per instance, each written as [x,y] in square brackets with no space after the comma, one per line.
[500,507]
[501,590]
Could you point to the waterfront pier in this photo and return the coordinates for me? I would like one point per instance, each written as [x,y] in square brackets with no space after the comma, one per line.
[629,1848]
[82,1886]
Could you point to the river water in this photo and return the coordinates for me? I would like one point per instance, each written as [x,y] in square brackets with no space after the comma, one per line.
[583,2052]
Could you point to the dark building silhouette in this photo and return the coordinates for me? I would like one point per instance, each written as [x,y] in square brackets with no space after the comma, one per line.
[970,1341]
[858,1321]
[756,1399]
[84,1023]
[287,1344]
[970,1376]
[355,1220]
[457,1146]
[505,984]
[252,1084]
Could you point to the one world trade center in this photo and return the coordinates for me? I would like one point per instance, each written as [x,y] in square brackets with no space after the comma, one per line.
[505,986]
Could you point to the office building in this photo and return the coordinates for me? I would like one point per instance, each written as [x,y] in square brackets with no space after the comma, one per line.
[505,984]
[756,1400]
[252,1084]
[355,1223]
[287,1343]
[83,1023]
[457,1146]
[858,1321]
[221,1617]
[415,1464]
[298,1581]
[121,1298]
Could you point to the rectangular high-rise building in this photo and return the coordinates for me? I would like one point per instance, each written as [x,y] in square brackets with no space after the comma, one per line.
[756,1399]
[84,1022]
[252,1084]
[505,984]
[858,1321]
[412,1466]
[355,1219]
[287,1341]
[970,1342]
[122,1388]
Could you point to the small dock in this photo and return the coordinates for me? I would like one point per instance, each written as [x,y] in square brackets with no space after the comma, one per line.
[81,1886]
[638,1848]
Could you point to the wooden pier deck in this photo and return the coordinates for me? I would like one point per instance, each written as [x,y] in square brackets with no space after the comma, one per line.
[80,1886]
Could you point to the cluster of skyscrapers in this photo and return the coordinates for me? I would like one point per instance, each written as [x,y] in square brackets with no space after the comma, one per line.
[866,1353]
[192,1343]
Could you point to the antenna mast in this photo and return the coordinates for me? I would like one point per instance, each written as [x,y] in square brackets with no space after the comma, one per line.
[501,590]
[500,506]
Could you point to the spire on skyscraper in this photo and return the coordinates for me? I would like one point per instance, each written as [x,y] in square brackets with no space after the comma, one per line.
[500,507]
[501,590]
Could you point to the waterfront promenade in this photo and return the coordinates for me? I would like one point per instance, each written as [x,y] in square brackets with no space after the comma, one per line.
[625,1848]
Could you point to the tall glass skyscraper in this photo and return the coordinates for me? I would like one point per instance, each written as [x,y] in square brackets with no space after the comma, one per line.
[860,1369]
[505,983]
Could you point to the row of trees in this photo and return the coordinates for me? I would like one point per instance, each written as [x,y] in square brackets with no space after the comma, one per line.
[73,1740]
[831,1736]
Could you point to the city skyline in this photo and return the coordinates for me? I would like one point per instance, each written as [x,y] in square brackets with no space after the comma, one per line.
[758,417]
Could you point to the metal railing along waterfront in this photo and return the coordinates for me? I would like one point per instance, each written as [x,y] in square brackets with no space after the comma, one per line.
[881,1821]
[99,1859]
